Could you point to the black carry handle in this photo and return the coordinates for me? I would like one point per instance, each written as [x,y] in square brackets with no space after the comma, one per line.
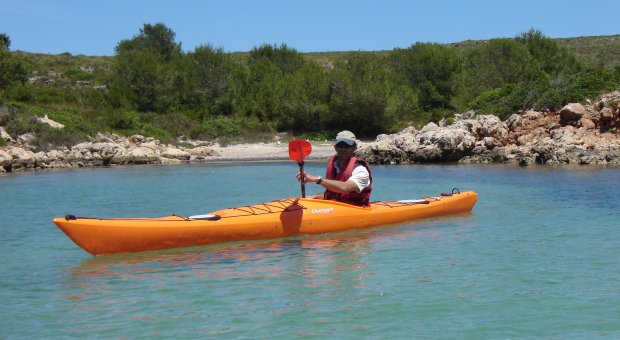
[454,191]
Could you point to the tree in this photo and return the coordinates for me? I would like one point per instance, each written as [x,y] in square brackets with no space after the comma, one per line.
[205,80]
[431,69]
[156,39]
[531,71]
[12,69]
[263,89]
[553,58]
[403,105]
[500,62]
[5,42]
[359,92]
[304,96]
[288,60]
[275,85]
[146,70]
[144,82]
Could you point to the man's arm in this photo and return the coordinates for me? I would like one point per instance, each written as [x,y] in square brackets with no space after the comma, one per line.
[340,187]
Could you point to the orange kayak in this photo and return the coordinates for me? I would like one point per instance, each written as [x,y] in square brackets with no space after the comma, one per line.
[281,218]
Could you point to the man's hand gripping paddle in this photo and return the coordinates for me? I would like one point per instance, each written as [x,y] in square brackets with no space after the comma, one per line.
[297,151]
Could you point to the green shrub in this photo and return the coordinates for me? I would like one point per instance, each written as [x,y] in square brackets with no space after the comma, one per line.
[438,114]
[18,125]
[318,135]
[96,99]
[511,98]
[149,130]
[47,138]
[588,84]
[500,101]
[253,130]
[487,98]
[591,83]
[557,94]
[217,127]
[123,120]
[73,121]
[20,92]
[78,75]
[40,94]
[176,124]
[233,129]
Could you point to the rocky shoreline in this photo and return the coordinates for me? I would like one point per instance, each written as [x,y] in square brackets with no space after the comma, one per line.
[577,134]
[112,149]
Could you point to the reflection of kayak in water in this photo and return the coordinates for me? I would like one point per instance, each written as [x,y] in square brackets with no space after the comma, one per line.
[282,218]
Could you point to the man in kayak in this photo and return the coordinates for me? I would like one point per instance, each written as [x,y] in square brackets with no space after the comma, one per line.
[347,178]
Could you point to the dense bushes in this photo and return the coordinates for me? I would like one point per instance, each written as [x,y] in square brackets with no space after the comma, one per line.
[431,70]
[545,92]
[531,72]
[154,88]
[77,128]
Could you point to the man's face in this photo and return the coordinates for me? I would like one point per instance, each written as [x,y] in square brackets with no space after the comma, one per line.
[344,150]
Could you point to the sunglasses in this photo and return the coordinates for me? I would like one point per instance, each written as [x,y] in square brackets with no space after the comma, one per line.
[344,145]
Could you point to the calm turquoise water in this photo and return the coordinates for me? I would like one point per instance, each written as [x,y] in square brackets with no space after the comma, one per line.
[539,257]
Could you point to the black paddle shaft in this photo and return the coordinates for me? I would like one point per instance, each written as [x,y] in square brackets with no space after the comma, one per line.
[303,179]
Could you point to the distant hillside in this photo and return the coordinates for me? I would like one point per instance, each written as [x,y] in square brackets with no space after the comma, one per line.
[594,51]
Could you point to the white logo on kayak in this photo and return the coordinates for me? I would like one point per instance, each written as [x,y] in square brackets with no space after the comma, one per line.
[322,211]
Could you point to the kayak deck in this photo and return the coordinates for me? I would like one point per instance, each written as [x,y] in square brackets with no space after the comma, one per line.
[280,218]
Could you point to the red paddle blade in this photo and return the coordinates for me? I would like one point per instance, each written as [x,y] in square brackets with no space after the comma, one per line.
[298,150]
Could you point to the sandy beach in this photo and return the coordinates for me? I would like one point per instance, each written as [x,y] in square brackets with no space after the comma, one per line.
[266,152]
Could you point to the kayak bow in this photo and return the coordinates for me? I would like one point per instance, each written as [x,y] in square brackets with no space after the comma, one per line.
[281,218]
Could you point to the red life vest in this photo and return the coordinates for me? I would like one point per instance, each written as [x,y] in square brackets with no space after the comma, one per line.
[357,198]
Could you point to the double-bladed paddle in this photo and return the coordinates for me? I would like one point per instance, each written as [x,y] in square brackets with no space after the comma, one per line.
[297,151]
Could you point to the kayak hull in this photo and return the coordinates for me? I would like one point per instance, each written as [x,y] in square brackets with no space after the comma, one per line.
[282,218]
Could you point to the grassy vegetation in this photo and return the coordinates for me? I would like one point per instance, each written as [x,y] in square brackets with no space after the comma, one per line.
[598,51]
[154,89]
[595,51]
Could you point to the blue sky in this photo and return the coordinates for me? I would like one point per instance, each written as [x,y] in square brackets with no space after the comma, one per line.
[94,28]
